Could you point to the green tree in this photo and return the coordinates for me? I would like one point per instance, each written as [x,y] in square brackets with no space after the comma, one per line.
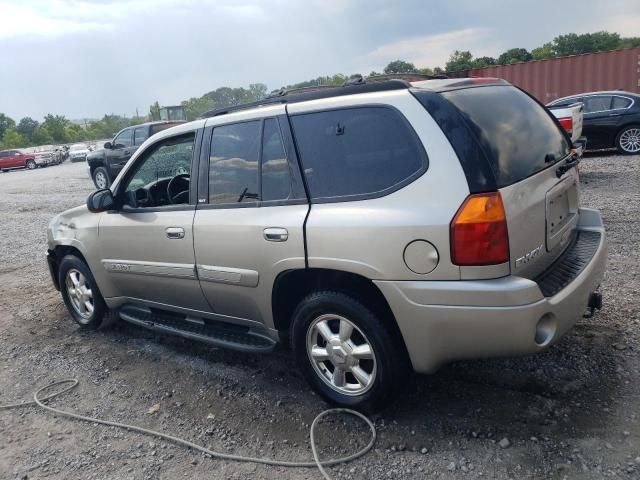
[194,107]
[630,42]
[27,126]
[543,52]
[514,55]
[41,136]
[5,124]
[13,139]
[575,44]
[154,111]
[483,62]
[459,60]
[400,66]
[56,126]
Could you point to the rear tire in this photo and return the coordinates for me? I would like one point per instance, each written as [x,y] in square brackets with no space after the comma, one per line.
[82,296]
[628,140]
[31,164]
[101,178]
[346,352]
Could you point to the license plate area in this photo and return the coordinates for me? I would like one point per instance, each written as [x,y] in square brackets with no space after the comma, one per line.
[561,212]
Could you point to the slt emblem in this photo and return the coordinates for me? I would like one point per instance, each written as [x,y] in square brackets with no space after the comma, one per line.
[528,257]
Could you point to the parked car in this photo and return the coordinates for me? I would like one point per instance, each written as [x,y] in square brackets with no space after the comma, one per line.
[570,117]
[78,152]
[611,119]
[105,164]
[378,229]
[12,159]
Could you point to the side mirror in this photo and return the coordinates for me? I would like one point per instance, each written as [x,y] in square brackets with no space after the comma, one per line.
[100,201]
[108,145]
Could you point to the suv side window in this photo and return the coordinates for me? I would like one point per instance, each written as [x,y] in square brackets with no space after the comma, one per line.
[352,153]
[276,177]
[598,103]
[124,139]
[233,163]
[140,134]
[168,161]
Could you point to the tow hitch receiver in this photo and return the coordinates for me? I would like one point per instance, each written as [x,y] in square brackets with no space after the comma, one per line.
[595,303]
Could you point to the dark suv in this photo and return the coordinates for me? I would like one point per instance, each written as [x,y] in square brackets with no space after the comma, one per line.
[104,165]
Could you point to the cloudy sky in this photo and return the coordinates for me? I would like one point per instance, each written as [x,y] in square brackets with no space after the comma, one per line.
[84,58]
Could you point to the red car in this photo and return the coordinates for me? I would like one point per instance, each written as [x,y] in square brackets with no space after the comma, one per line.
[10,159]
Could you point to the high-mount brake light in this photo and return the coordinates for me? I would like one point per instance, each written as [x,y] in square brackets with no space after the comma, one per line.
[479,233]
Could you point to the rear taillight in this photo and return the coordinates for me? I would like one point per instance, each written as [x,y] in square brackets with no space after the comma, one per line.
[479,231]
[567,124]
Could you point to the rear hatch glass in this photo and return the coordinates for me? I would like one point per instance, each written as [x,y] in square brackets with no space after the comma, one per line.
[517,135]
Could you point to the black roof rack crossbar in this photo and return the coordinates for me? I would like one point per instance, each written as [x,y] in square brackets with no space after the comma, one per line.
[314,93]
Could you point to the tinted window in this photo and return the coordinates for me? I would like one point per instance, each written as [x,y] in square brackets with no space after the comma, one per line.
[357,151]
[620,102]
[140,135]
[166,161]
[516,133]
[233,164]
[597,104]
[276,177]
[4,154]
[161,126]
[124,139]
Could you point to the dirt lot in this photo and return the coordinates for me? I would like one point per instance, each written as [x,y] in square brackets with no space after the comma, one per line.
[571,412]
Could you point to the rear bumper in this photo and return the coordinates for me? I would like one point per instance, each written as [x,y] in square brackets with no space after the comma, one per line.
[452,320]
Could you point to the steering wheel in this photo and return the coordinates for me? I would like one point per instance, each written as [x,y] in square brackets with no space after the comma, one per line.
[178,188]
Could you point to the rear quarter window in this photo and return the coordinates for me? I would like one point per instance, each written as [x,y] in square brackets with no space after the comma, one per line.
[517,135]
[355,153]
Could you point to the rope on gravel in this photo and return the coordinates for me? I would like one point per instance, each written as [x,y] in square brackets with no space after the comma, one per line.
[73,383]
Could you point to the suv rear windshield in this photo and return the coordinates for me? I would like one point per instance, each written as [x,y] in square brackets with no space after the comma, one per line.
[517,135]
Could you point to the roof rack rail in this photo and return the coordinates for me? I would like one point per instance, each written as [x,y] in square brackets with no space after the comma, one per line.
[351,86]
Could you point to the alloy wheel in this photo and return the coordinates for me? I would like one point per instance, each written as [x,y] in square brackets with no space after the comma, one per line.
[630,140]
[80,294]
[341,354]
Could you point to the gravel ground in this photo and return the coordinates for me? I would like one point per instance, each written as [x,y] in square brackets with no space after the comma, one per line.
[570,412]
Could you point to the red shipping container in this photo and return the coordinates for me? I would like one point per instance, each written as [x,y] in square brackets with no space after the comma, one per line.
[559,77]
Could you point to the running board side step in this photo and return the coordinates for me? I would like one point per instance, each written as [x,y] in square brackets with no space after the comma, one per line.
[219,334]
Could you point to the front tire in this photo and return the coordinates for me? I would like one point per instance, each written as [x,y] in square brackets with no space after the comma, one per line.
[82,296]
[101,178]
[31,164]
[346,352]
[628,140]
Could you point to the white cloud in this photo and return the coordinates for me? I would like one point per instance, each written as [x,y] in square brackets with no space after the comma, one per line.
[431,50]
[21,20]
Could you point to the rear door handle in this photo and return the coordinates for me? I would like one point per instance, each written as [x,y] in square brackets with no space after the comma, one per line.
[175,233]
[275,234]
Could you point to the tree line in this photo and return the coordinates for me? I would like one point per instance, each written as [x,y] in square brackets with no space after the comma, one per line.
[57,129]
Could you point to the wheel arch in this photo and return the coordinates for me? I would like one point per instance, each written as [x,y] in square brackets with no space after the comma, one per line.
[59,252]
[291,286]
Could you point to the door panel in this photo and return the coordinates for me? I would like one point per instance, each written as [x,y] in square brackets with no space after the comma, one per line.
[143,261]
[237,265]
[253,226]
[598,121]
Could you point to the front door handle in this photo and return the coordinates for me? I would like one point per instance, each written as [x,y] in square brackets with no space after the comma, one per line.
[274,234]
[175,233]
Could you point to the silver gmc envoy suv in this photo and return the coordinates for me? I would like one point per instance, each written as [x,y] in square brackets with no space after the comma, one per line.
[379,228]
